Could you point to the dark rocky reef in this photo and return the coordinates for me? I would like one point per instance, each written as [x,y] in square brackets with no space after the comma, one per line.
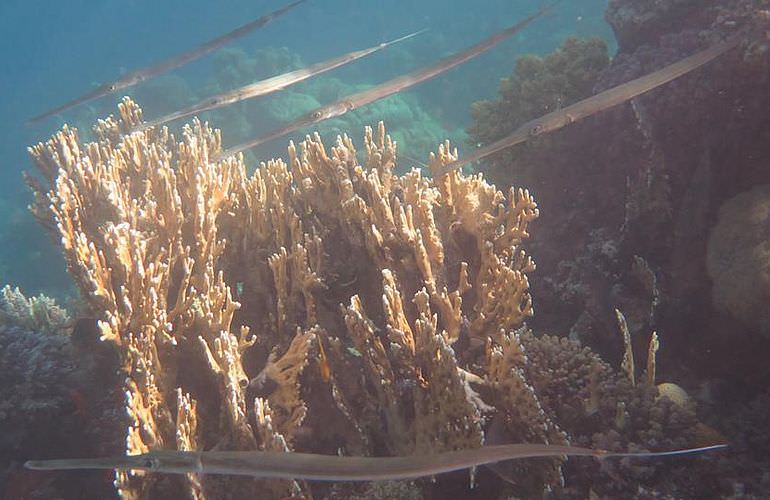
[536,87]
[631,196]
[59,396]
[637,22]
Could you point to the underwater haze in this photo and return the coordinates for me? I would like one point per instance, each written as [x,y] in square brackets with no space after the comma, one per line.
[56,52]
[529,224]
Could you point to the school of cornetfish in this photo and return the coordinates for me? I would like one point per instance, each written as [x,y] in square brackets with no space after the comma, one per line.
[345,468]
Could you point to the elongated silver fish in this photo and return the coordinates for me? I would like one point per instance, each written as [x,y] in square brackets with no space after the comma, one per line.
[595,104]
[333,467]
[273,84]
[388,88]
[143,74]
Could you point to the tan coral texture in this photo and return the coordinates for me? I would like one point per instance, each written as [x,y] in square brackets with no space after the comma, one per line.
[325,305]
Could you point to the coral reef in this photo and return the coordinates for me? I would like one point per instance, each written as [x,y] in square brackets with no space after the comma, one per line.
[537,86]
[634,194]
[35,375]
[738,258]
[328,305]
[39,314]
[47,368]
[638,21]
[384,490]
[165,94]
[35,364]
[412,127]
[410,123]
[749,431]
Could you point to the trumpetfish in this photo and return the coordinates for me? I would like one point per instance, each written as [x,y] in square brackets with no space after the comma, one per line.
[309,466]
[174,62]
[595,104]
[272,84]
[388,88]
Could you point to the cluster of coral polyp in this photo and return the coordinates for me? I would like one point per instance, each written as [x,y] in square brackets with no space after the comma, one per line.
[328,305]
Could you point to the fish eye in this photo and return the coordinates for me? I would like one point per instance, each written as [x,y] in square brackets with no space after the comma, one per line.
[535,130]
[315,115]
[150,463]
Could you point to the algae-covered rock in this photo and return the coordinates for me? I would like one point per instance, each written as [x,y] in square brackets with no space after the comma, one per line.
[38,314]
[738,258]
[636,20]
[291,105]
[538,86]
[166,94]
[272,61]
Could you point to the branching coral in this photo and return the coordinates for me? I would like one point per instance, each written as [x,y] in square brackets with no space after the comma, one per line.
[138,222]
[36,366]
[39,314]
[327,305]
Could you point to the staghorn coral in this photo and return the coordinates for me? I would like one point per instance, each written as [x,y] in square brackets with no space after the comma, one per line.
[324,305]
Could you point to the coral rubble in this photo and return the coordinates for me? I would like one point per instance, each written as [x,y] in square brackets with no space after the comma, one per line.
[326,305]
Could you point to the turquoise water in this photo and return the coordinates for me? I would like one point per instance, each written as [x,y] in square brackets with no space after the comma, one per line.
[648,326]
[53,52]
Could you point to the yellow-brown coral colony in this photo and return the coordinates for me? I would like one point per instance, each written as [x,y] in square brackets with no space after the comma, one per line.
[326,305]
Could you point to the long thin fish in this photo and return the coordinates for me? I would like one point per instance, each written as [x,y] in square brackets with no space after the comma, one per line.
[388,88]
[333,467]
[143,74]
[595,104]
[272,84]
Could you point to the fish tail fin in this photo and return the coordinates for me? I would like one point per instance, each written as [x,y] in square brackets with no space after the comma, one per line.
[652,454]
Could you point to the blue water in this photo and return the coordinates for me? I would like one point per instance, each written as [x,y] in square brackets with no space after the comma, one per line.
[52,52]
